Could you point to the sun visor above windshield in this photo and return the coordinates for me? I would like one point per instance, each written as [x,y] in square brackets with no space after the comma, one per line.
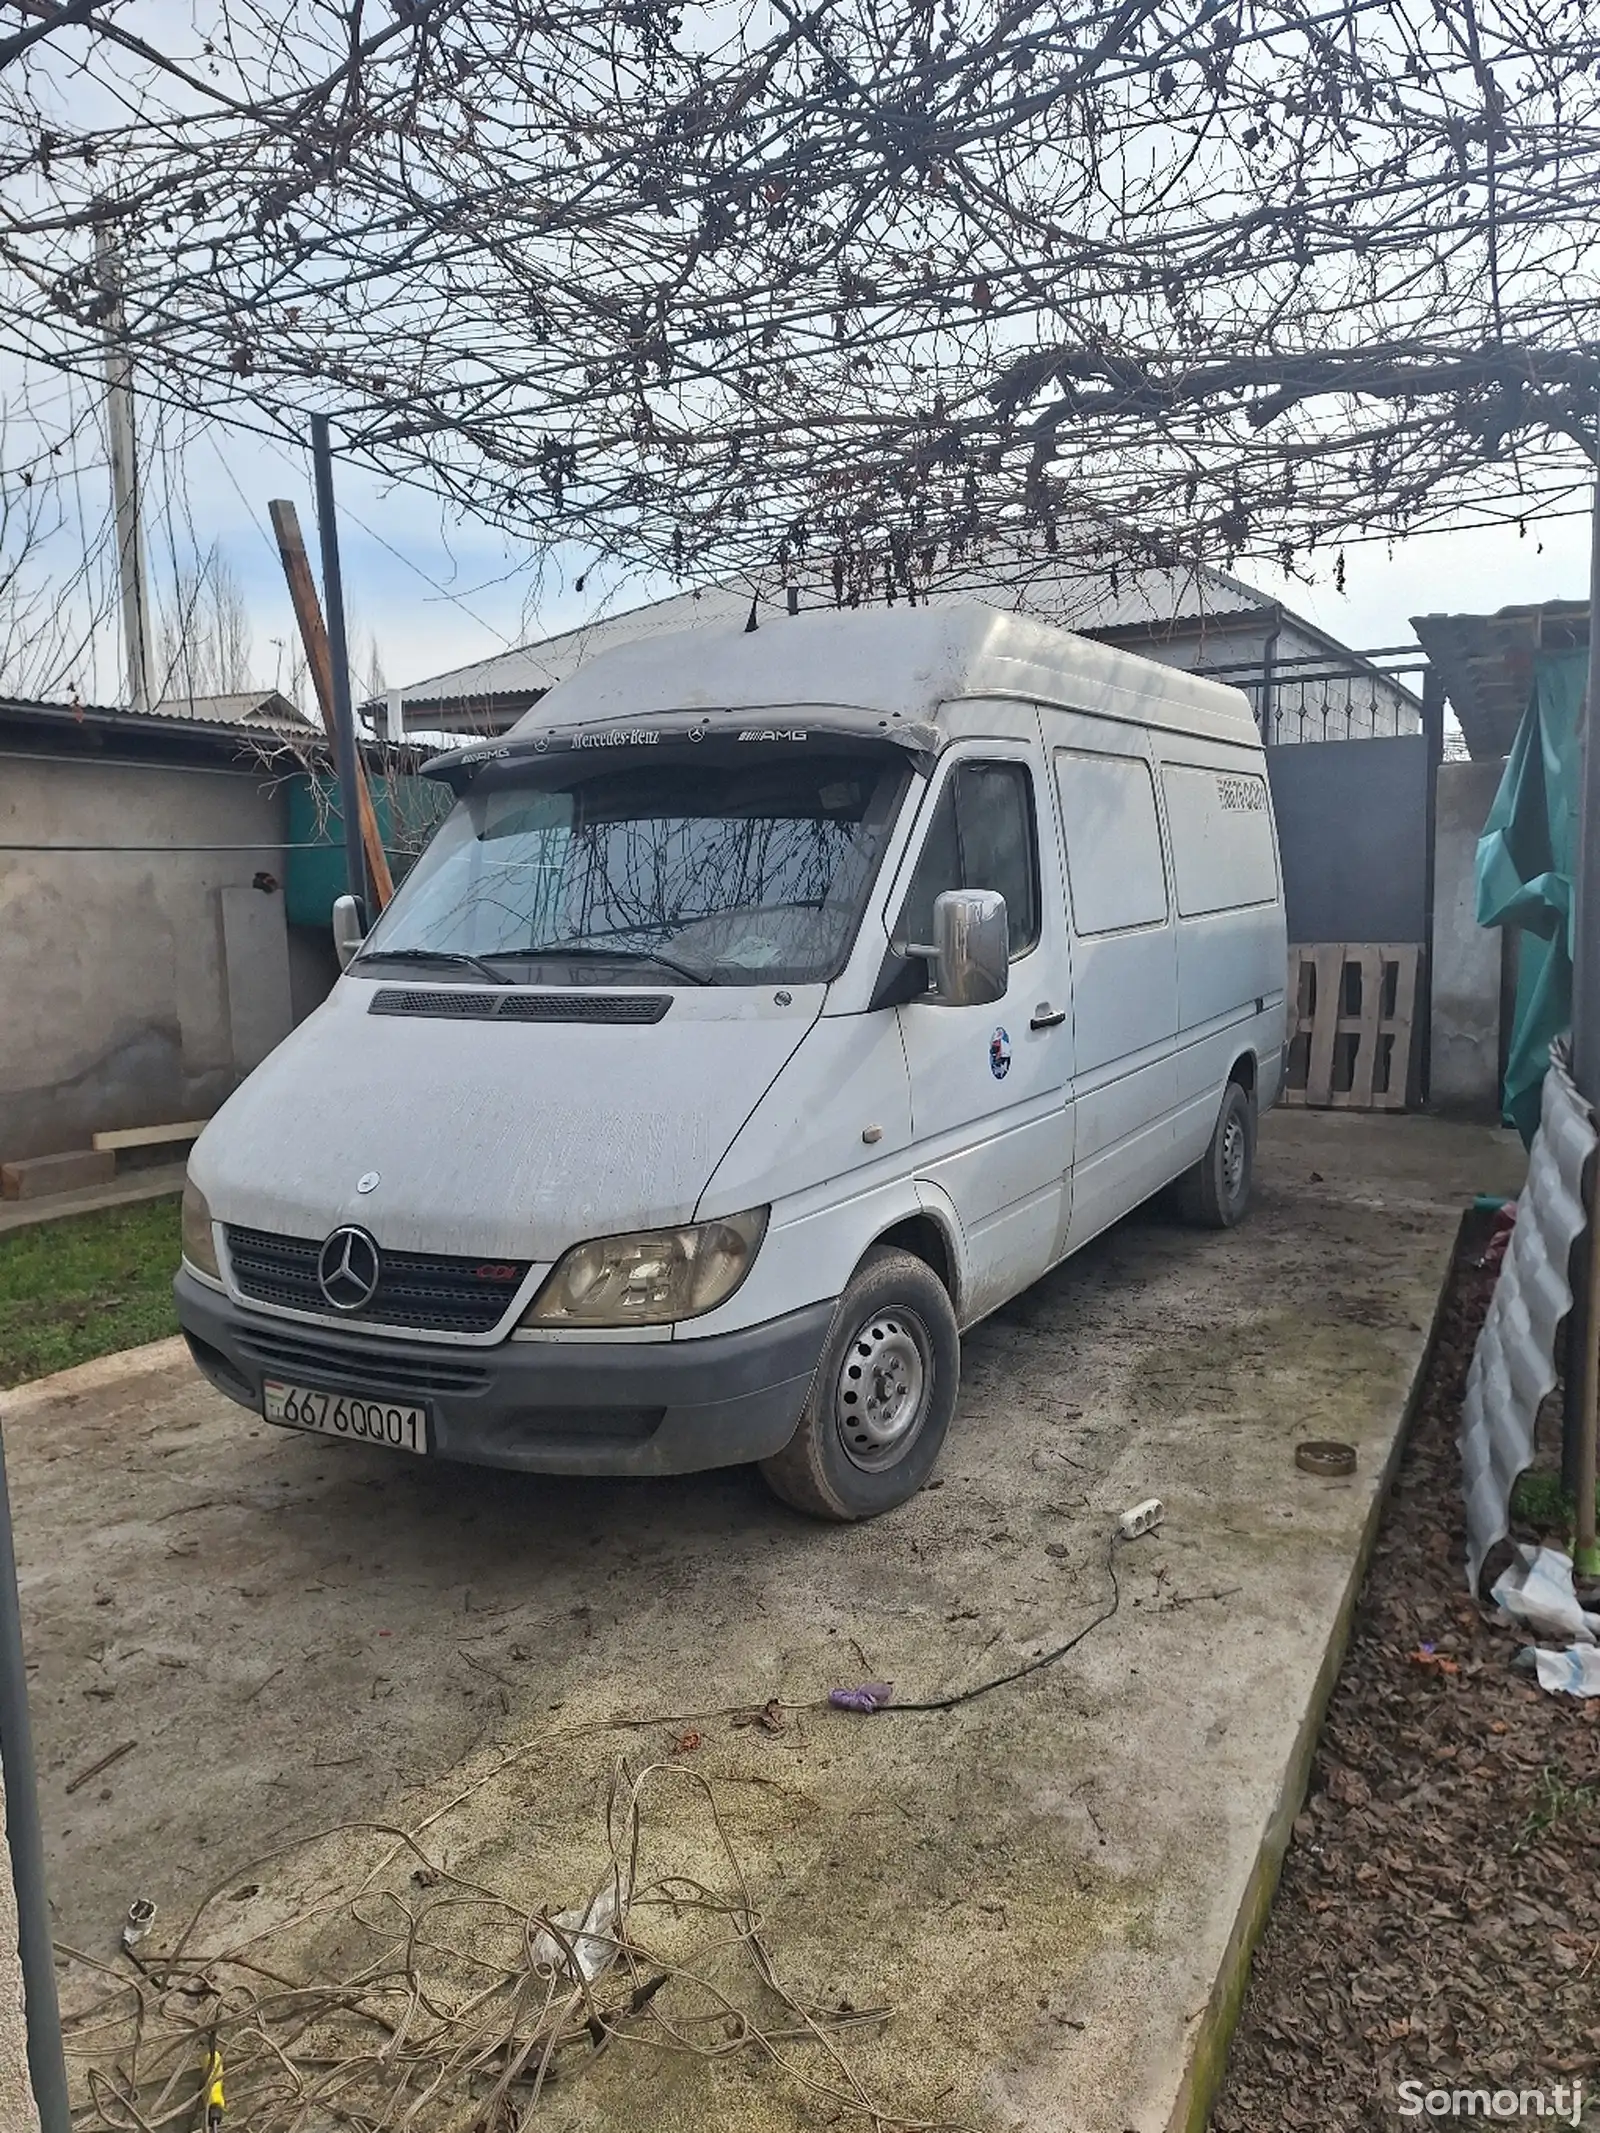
[641,732]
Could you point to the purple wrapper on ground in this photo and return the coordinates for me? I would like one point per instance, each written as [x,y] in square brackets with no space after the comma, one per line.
[871,1696]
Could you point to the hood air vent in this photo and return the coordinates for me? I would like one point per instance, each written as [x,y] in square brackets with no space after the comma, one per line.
[584,1007]
[457,1006]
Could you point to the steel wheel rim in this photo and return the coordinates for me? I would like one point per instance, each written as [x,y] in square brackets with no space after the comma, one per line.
[880,1397]
[1235,1149]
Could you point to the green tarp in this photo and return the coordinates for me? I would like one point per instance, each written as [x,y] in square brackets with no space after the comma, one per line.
[1524,872]
[408,811]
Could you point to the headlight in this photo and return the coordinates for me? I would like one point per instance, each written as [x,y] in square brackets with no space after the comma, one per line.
[651,1278]
[198,1247]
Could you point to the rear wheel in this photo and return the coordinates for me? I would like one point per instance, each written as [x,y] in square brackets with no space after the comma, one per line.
[881,1401]
[1216,1192]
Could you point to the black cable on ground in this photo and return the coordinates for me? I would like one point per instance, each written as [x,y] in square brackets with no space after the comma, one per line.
[1033,1666]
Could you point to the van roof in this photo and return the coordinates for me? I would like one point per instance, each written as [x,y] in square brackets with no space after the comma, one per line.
[903,663]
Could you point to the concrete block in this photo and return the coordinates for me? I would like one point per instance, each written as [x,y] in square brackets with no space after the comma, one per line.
[37,1175]
[1466,956]
[256,956]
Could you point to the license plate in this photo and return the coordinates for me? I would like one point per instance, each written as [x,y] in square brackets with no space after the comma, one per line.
[336,1414]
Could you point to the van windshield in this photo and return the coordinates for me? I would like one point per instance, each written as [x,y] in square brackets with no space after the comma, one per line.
[704,866]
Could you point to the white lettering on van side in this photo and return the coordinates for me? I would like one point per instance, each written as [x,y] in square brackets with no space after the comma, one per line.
[1241,796]
[622,737]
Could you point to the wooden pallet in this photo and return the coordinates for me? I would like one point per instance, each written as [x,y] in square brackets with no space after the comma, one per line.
[1351,1013]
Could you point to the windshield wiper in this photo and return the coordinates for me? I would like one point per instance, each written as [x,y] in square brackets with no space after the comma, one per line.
[622,955]
[456,956]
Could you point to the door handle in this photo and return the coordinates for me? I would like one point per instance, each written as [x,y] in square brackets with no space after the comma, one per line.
[1045,1016]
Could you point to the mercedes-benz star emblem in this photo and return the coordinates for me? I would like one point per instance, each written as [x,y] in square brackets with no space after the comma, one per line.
[347,1269]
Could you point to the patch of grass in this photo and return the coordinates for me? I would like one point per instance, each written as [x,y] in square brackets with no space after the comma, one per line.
[1557,1801]
[1539,1500]
[86,1285]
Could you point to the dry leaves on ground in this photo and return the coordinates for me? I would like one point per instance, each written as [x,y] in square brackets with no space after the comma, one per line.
[1439,1913]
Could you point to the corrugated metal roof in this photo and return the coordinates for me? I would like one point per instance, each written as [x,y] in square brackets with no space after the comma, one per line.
[168,729]
[1486,662]
[1513,1365]
[1107,601]
[240,707]
[21,705]
[247,708]
[1090,603]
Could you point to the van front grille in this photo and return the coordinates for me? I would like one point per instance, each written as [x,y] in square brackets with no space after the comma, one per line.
[350,1366]
[417,1290]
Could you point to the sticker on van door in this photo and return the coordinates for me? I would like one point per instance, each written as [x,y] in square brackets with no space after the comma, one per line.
[999,1055]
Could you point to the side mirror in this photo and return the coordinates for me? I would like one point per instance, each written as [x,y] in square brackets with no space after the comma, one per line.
[349,928]
[971,947]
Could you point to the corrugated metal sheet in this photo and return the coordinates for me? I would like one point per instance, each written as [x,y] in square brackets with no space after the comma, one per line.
[1486,662]
[54,707]
[242,707]
[248,709]
[1513,1366]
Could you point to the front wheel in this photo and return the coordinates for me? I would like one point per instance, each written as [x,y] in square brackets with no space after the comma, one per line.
[881,1401]
[1216,1192]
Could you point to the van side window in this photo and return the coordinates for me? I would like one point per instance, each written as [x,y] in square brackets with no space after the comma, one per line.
[1222,848]
[1114,867]
[981,837]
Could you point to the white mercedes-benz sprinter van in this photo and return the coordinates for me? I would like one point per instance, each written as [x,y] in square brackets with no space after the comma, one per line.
[770,1008]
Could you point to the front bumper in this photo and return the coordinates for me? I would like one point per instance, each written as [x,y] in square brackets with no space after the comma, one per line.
[543,1407]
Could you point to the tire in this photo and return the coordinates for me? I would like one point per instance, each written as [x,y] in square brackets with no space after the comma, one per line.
[847,1460]
[1216,1192]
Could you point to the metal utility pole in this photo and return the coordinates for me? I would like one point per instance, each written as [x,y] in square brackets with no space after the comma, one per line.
[47,2068]
[1583,1335]
[344,726]
[137,660]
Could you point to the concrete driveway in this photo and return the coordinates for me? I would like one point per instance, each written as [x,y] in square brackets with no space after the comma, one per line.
[1041,1896]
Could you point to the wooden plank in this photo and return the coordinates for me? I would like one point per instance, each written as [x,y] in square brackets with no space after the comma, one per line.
[1328,962]
[1293,1007]
[314,636]
[1407,959]
[1325,1024]
[35,1177]
[150,1136]
[1370,962]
